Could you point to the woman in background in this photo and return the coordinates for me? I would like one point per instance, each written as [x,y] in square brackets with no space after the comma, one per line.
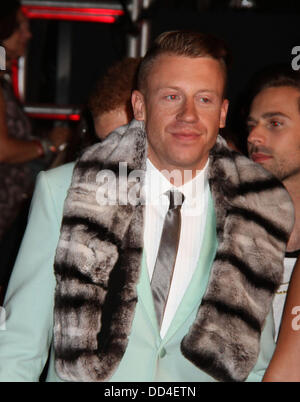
[22,154]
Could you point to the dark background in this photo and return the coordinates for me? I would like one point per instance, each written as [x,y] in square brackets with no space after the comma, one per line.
[258,36]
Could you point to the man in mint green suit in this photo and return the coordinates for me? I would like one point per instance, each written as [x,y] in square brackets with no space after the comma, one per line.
[81,286]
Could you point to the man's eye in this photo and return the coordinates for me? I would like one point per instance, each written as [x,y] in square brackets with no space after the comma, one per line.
[171,97]
[204,99]
[275,123]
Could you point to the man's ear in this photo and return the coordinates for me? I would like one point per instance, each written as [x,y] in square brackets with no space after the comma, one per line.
[138,105]
[224,110]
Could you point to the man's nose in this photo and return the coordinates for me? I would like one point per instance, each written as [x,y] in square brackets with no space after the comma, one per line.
[188,112]
[257,135]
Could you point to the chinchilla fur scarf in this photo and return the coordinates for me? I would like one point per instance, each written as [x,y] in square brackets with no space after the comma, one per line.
[98,261]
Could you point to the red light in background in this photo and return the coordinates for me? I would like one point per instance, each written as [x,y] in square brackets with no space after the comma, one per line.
[55,116]
[83,10]
[15,78]
[67,17]
[74,117]
[104,15]
[72,13]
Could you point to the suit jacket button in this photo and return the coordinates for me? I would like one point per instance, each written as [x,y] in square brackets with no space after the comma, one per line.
[162,353]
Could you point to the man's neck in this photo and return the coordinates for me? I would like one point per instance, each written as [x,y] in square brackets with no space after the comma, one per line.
[176,175]
[292,184]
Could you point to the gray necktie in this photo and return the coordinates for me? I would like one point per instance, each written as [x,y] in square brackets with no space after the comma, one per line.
[166,256]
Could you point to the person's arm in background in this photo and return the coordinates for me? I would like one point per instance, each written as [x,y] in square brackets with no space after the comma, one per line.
[29,300]
[285,363]
[13,150]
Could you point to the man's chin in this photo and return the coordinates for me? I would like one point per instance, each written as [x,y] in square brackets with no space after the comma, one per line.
[279,175]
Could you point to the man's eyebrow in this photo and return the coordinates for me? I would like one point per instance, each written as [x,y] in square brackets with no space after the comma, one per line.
[207,90]
[179,89]
[268,115]
[168,87]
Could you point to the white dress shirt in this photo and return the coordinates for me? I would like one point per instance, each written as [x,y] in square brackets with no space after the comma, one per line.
[193,218]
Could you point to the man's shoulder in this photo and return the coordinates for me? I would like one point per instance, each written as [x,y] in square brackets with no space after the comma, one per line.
[59,178]
[52,186]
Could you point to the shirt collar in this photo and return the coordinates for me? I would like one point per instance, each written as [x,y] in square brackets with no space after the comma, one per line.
[157,184]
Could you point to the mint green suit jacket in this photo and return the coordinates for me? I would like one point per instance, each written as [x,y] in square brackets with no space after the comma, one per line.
[29,302]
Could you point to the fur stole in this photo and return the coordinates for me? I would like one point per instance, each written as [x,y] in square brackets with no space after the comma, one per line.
[98,259]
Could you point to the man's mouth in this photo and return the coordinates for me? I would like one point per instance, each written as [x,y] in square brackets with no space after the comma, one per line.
[185,135]
[259,157]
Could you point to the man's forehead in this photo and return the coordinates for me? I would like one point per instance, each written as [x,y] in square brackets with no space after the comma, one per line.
[276,101]
[170,70]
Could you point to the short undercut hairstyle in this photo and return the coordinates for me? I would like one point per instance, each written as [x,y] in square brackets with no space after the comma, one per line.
[187,44]
[278,75]
[271,76]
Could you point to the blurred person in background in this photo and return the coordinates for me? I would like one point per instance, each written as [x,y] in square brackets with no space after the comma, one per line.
[108,107]
[23,153]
